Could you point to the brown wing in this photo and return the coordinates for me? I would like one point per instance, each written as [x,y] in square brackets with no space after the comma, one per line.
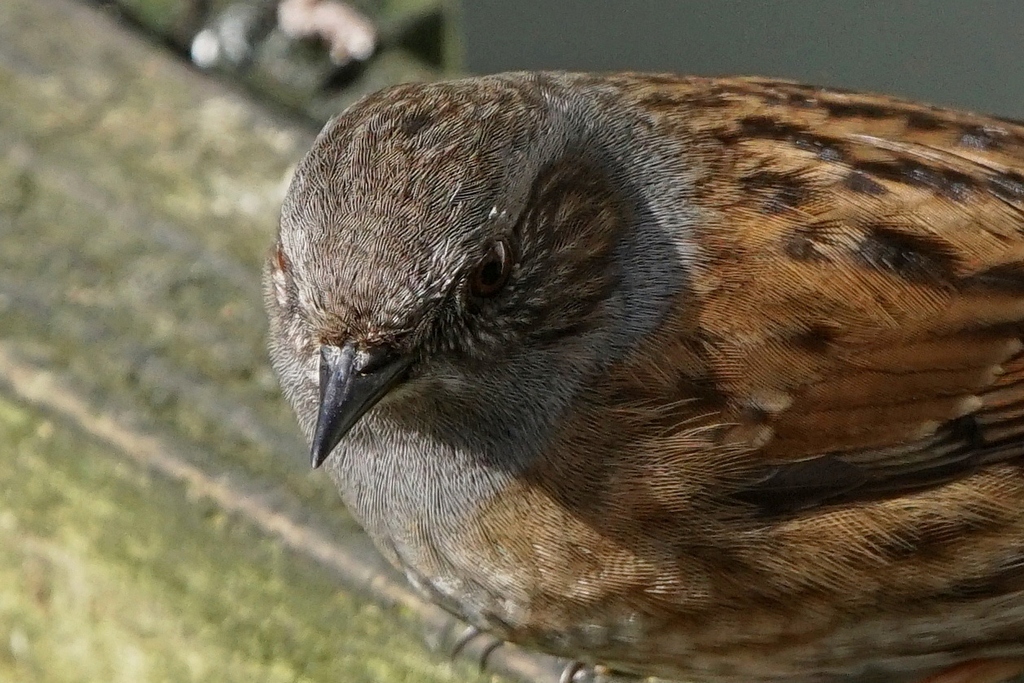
[864,307]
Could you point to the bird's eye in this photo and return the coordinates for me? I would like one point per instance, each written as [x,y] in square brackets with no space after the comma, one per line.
[492,273]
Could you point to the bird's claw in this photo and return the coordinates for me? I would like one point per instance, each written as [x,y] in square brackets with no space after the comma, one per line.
[470,634]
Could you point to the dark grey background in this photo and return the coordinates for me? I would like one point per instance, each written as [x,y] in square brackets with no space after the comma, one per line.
[957,52]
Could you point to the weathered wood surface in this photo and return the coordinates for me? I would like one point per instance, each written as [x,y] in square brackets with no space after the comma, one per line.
[158,521]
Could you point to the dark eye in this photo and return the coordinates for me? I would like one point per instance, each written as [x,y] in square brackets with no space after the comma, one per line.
[491,275]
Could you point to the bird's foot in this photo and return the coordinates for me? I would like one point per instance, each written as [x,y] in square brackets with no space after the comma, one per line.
[578,672]
[472,633]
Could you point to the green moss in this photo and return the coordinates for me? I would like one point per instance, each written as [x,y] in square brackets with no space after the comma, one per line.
[137,200]
[110,574]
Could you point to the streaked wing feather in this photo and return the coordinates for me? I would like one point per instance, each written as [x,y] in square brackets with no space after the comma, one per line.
[889,337]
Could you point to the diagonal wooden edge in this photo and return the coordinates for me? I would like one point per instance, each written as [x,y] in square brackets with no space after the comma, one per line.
[47,391]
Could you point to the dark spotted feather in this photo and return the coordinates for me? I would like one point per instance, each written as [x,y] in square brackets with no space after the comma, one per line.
[862,298]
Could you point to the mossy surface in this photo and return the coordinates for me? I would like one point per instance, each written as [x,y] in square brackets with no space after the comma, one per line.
[109,573]
[137,200]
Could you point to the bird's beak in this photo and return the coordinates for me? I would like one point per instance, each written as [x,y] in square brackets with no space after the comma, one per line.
[352,381]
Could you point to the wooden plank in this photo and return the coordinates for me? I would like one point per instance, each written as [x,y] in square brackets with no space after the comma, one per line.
[158,518]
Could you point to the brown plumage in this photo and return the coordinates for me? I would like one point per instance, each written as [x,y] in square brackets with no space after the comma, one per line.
[748,404]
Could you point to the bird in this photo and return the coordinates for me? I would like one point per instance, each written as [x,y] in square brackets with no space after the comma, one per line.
[705,379]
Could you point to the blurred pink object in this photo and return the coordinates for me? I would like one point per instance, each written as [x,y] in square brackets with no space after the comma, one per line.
[349,34]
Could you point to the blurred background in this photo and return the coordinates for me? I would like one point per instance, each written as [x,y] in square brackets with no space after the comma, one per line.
[158,520]
[943,51]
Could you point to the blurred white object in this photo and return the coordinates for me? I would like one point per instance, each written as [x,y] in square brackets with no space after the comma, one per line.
[231,38]
[206,49]
[349,34]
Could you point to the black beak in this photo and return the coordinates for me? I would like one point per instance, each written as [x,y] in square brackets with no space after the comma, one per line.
[351,382]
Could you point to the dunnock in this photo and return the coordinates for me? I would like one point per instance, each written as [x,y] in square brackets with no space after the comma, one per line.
[716,379]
